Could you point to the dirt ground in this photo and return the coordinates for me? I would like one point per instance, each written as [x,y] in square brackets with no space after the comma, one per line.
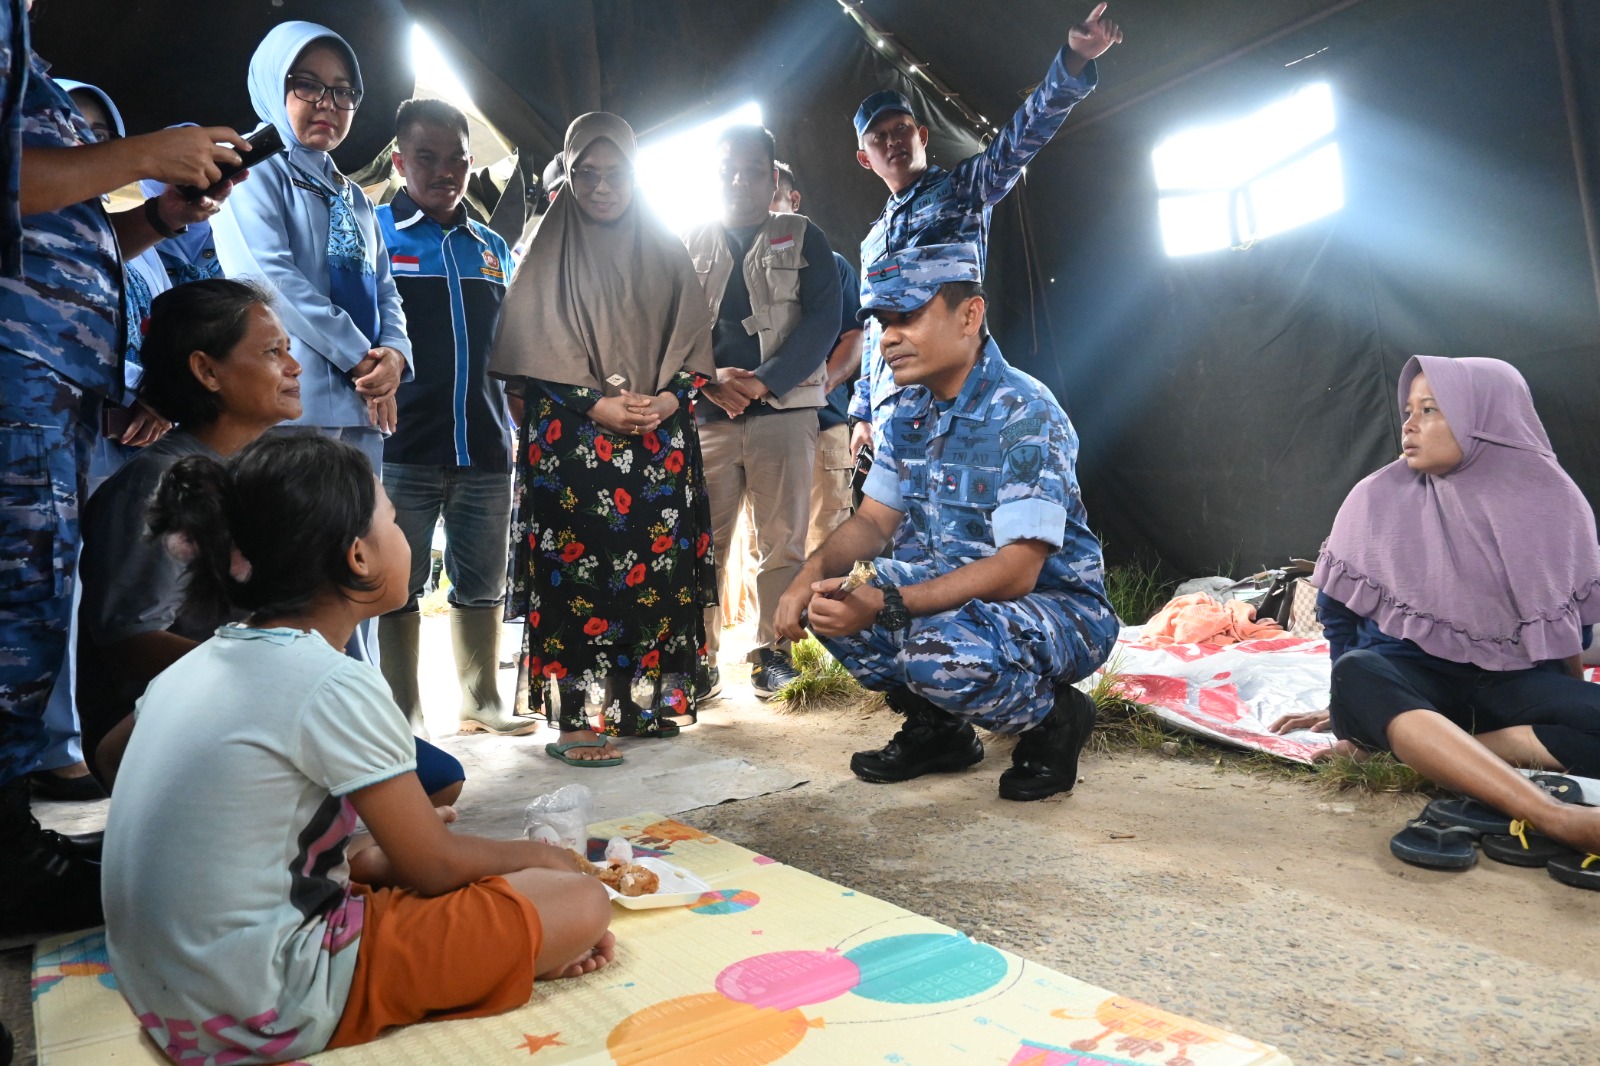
[1260,905]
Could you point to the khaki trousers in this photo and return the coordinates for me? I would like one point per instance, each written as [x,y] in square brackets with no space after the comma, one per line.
[767,459]
[830,484]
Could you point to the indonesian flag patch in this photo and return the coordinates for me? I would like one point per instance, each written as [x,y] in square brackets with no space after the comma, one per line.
[405,264]
[782,244]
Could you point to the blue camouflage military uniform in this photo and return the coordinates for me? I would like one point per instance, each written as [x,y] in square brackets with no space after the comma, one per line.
[60,353]
[953,207]
[994,466]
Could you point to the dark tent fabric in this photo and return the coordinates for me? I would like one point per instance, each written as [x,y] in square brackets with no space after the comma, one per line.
[1226,402]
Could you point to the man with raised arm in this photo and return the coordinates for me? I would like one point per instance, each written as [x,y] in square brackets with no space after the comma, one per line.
[930,205]
[995,603]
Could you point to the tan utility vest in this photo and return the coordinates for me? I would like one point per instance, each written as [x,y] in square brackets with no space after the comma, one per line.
[772,276]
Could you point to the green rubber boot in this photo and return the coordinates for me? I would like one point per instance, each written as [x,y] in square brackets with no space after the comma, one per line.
[399,642]
[475,633]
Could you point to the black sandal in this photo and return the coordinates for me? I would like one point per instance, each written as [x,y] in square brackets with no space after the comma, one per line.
[1523,847]
[1577,869]
[1436,847]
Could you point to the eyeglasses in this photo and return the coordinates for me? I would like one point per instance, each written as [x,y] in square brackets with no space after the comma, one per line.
[614,177]
[345,97]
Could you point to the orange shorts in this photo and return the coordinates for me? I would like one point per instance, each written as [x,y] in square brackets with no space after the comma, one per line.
[464,954]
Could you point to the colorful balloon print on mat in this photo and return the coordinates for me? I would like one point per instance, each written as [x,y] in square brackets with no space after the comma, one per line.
[926,968]
[787,979]
[727,901]
[709,1027]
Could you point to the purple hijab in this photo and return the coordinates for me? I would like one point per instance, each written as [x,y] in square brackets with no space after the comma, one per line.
[1495,563]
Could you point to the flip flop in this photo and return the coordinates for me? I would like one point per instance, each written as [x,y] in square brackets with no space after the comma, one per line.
[559,751]
[1577,870]
[1523,847]
[1437,847]
[1562,788]
[1467,814]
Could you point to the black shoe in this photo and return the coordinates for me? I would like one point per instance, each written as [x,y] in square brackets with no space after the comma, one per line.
[772,672]
[50,884]
[708,683]
[51,785]
[1045,761]
[932,741]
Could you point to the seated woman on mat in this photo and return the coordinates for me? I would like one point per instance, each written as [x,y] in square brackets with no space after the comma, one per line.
[217,362]
[244,921]
[1457,588]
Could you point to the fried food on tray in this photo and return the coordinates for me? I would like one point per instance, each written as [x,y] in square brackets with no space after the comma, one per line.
[629,880]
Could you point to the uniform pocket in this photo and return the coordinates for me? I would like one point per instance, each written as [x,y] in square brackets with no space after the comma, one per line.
[29,521]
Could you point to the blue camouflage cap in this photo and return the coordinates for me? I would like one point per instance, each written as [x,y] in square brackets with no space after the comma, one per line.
[880,103]
[908,279]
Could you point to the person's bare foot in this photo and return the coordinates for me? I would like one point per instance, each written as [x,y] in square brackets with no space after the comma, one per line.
[596,958]
[609,751]
[1575,826]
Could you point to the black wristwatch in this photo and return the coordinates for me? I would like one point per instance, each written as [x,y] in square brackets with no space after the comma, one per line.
[894,615]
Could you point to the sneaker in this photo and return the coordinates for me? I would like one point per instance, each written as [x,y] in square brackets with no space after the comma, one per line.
[773,671]
[1045,762]
[708,683]
[931,741]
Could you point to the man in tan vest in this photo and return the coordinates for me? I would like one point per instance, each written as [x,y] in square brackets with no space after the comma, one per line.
[774,296]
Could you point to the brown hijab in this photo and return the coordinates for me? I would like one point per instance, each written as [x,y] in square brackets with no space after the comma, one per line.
[594,301]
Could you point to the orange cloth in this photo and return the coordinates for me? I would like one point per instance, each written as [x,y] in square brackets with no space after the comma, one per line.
[464,954]
[1199,619]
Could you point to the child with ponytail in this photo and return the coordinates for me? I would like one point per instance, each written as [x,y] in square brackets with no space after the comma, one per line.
[244,920]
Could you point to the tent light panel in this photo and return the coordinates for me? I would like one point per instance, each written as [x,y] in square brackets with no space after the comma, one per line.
[1240,181]
[677,174]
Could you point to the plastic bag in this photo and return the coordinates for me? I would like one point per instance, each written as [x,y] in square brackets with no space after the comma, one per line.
[619,852]
[565,812]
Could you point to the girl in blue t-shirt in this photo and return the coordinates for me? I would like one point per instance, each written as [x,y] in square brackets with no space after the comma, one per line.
[242,913]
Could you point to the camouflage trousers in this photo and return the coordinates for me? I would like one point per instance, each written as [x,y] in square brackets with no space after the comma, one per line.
[995,664]
[47,431]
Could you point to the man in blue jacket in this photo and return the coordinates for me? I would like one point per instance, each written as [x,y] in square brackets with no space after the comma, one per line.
[450,454]
[930,205]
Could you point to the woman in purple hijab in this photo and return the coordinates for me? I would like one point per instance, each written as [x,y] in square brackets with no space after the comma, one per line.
[1457,591]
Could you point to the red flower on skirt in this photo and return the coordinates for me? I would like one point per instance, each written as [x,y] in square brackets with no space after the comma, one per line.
[535,453]
[636,575]
[555,671]
[701,546]
[622,500]
[602,448]
[595,626]
[662,543]
[553,433]
[673,462]
[572,552]
[535,666]
[652,442]
[650,659]
[533,619]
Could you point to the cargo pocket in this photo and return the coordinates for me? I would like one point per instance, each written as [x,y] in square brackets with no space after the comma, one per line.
[29,521]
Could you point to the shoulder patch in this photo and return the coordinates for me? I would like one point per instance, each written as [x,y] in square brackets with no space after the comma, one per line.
[1022,427]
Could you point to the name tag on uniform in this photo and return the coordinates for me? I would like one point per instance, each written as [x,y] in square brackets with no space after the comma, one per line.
[405,264]
[782,244]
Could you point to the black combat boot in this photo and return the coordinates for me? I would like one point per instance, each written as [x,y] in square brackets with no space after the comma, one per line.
[50,884]
[931,741]
[1045,761]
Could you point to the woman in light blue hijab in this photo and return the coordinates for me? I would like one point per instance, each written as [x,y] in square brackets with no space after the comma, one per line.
[308,232]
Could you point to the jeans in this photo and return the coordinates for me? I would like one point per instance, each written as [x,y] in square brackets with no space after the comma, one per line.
[476,506]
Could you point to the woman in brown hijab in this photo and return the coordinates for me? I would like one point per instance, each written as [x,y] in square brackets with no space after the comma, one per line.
[607,329]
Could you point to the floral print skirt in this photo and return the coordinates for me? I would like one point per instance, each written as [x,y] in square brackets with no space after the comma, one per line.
[611,569]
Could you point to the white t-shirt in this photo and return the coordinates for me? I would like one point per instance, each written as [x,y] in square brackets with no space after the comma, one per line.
[229,915]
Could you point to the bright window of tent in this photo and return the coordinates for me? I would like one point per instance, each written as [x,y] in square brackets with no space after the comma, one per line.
[678,173]
[1228,185]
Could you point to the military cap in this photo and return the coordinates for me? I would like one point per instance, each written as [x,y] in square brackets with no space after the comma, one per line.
[908,279]
[880,103]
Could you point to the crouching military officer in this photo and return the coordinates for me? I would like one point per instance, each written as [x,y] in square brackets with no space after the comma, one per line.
[995,604]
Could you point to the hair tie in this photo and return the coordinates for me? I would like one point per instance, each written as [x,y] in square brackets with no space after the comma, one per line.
[238,567]
[180,546]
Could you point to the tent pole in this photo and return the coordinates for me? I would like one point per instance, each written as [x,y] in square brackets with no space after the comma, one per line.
[1206,68]
[1580,162]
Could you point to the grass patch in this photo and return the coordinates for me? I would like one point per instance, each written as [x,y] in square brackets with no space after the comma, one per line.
[823,682]
[1380,772]
[1137,591]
